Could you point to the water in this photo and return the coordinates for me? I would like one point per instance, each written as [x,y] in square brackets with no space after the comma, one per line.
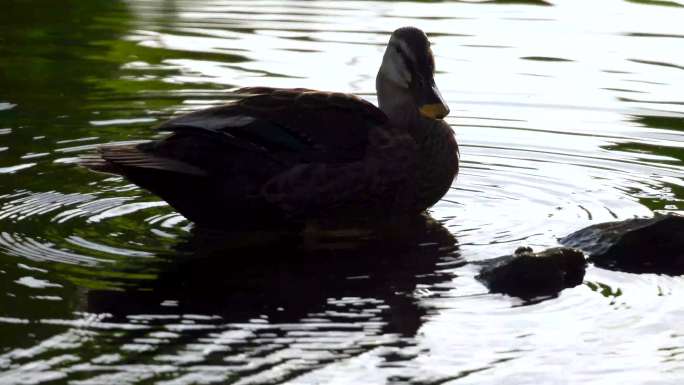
[568,113]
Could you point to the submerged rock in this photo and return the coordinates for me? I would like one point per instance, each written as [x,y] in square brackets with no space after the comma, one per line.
[527,274]
[641,245]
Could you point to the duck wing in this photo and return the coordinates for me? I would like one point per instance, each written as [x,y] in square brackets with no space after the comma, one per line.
[321,151]
[287,125]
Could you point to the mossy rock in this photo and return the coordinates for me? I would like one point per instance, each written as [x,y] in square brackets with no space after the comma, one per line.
[640,245]
[527,274]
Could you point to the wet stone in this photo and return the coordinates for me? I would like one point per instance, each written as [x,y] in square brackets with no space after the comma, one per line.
[527,274]
[640,245]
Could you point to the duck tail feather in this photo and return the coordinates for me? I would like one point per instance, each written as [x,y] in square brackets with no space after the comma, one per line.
[117,159]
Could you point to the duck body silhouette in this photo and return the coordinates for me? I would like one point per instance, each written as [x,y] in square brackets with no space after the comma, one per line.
[280,156]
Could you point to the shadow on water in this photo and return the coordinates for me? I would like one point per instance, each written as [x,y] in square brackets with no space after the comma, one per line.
[288,279]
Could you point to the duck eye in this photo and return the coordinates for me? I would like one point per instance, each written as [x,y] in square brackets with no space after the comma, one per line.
[402,54]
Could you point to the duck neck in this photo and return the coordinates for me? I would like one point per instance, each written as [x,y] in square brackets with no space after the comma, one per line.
[437,157]
[398,104]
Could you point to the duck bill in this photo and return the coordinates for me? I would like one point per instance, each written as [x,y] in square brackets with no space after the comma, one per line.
[430,102]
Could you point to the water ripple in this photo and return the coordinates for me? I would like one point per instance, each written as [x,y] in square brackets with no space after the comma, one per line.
[104,283]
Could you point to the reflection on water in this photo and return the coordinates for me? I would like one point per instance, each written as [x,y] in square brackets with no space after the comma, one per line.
[265,310]
[241,277]
[568,113]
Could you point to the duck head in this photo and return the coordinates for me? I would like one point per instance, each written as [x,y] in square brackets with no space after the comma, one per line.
[405,82]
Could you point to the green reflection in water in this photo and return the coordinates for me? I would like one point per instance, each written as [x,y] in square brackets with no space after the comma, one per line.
[670,195]
[48,47]
[57,58]
[656,2]
[663,122]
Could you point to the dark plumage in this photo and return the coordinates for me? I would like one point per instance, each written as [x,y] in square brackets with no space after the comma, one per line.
[277,156]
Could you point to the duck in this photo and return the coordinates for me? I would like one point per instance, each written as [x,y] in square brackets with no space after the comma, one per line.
[281,156]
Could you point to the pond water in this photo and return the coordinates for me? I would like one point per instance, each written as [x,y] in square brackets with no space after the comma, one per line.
[568,113]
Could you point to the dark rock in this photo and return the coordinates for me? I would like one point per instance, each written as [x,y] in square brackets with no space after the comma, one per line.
[641,245]
[526,274]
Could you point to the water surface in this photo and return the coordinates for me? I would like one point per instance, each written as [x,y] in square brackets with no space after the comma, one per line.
[568,113]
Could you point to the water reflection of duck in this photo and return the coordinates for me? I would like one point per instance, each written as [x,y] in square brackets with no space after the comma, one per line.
[278,155]
[289,279]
